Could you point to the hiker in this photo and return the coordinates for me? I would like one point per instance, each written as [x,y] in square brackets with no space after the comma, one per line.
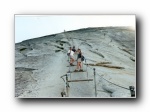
[70,53]
[79,61]
[75,52]
[73,49]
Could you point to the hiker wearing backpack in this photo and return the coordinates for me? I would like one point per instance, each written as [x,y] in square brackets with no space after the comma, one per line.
[79,60]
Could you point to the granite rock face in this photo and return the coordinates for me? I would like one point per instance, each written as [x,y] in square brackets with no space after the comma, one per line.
[40,62]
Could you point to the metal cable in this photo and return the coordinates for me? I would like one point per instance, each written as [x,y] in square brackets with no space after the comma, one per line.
[109,81]
[113,83]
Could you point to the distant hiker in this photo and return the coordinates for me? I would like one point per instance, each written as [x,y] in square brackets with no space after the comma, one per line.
[73,49]
[79,61]
[70,54]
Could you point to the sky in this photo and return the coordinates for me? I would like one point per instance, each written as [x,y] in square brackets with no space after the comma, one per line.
[33,26]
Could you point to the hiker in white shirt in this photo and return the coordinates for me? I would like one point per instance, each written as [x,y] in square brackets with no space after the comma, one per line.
[71,53]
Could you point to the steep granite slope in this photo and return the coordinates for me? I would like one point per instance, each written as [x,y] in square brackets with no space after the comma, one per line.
[40,62]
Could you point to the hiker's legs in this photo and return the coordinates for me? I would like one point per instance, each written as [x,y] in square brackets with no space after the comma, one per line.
[79,61]
[80,65]
[77,67]
[71,59]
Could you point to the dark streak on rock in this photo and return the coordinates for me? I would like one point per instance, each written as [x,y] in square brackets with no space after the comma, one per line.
[108,66]
[57,51]
[87,44]
[132,59]
[127,51]
[59,47]
[63,42]
[22,49]
[24,69]
[103,63]
[97,53]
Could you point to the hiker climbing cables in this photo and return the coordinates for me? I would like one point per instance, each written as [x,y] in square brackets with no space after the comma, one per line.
[75,53]
[70,53]
[79,61]
[73,49]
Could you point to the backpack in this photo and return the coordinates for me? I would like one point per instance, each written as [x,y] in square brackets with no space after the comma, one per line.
[82,58]
[68,54]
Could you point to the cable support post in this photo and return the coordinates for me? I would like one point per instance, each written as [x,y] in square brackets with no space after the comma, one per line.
[95,82]
[132,91]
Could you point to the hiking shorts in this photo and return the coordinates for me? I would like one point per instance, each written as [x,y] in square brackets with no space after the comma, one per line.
[79,60]
[71,57]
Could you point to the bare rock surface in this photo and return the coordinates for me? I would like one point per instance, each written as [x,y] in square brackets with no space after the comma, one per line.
[40,62]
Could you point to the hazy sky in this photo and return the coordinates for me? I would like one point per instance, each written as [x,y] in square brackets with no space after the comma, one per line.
[32,26]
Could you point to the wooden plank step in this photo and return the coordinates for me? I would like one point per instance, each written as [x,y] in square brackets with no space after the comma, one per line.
[71,65]
[80,80]
[75,72]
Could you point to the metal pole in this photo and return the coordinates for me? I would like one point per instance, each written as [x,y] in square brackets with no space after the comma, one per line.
[132,91]
[69,71]
[68,58]
[69,62]
[86,69]
[95,82]
[67,86]
[69,67]
[82,65]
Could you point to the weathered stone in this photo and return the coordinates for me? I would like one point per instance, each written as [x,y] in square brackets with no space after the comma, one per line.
[40,62]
